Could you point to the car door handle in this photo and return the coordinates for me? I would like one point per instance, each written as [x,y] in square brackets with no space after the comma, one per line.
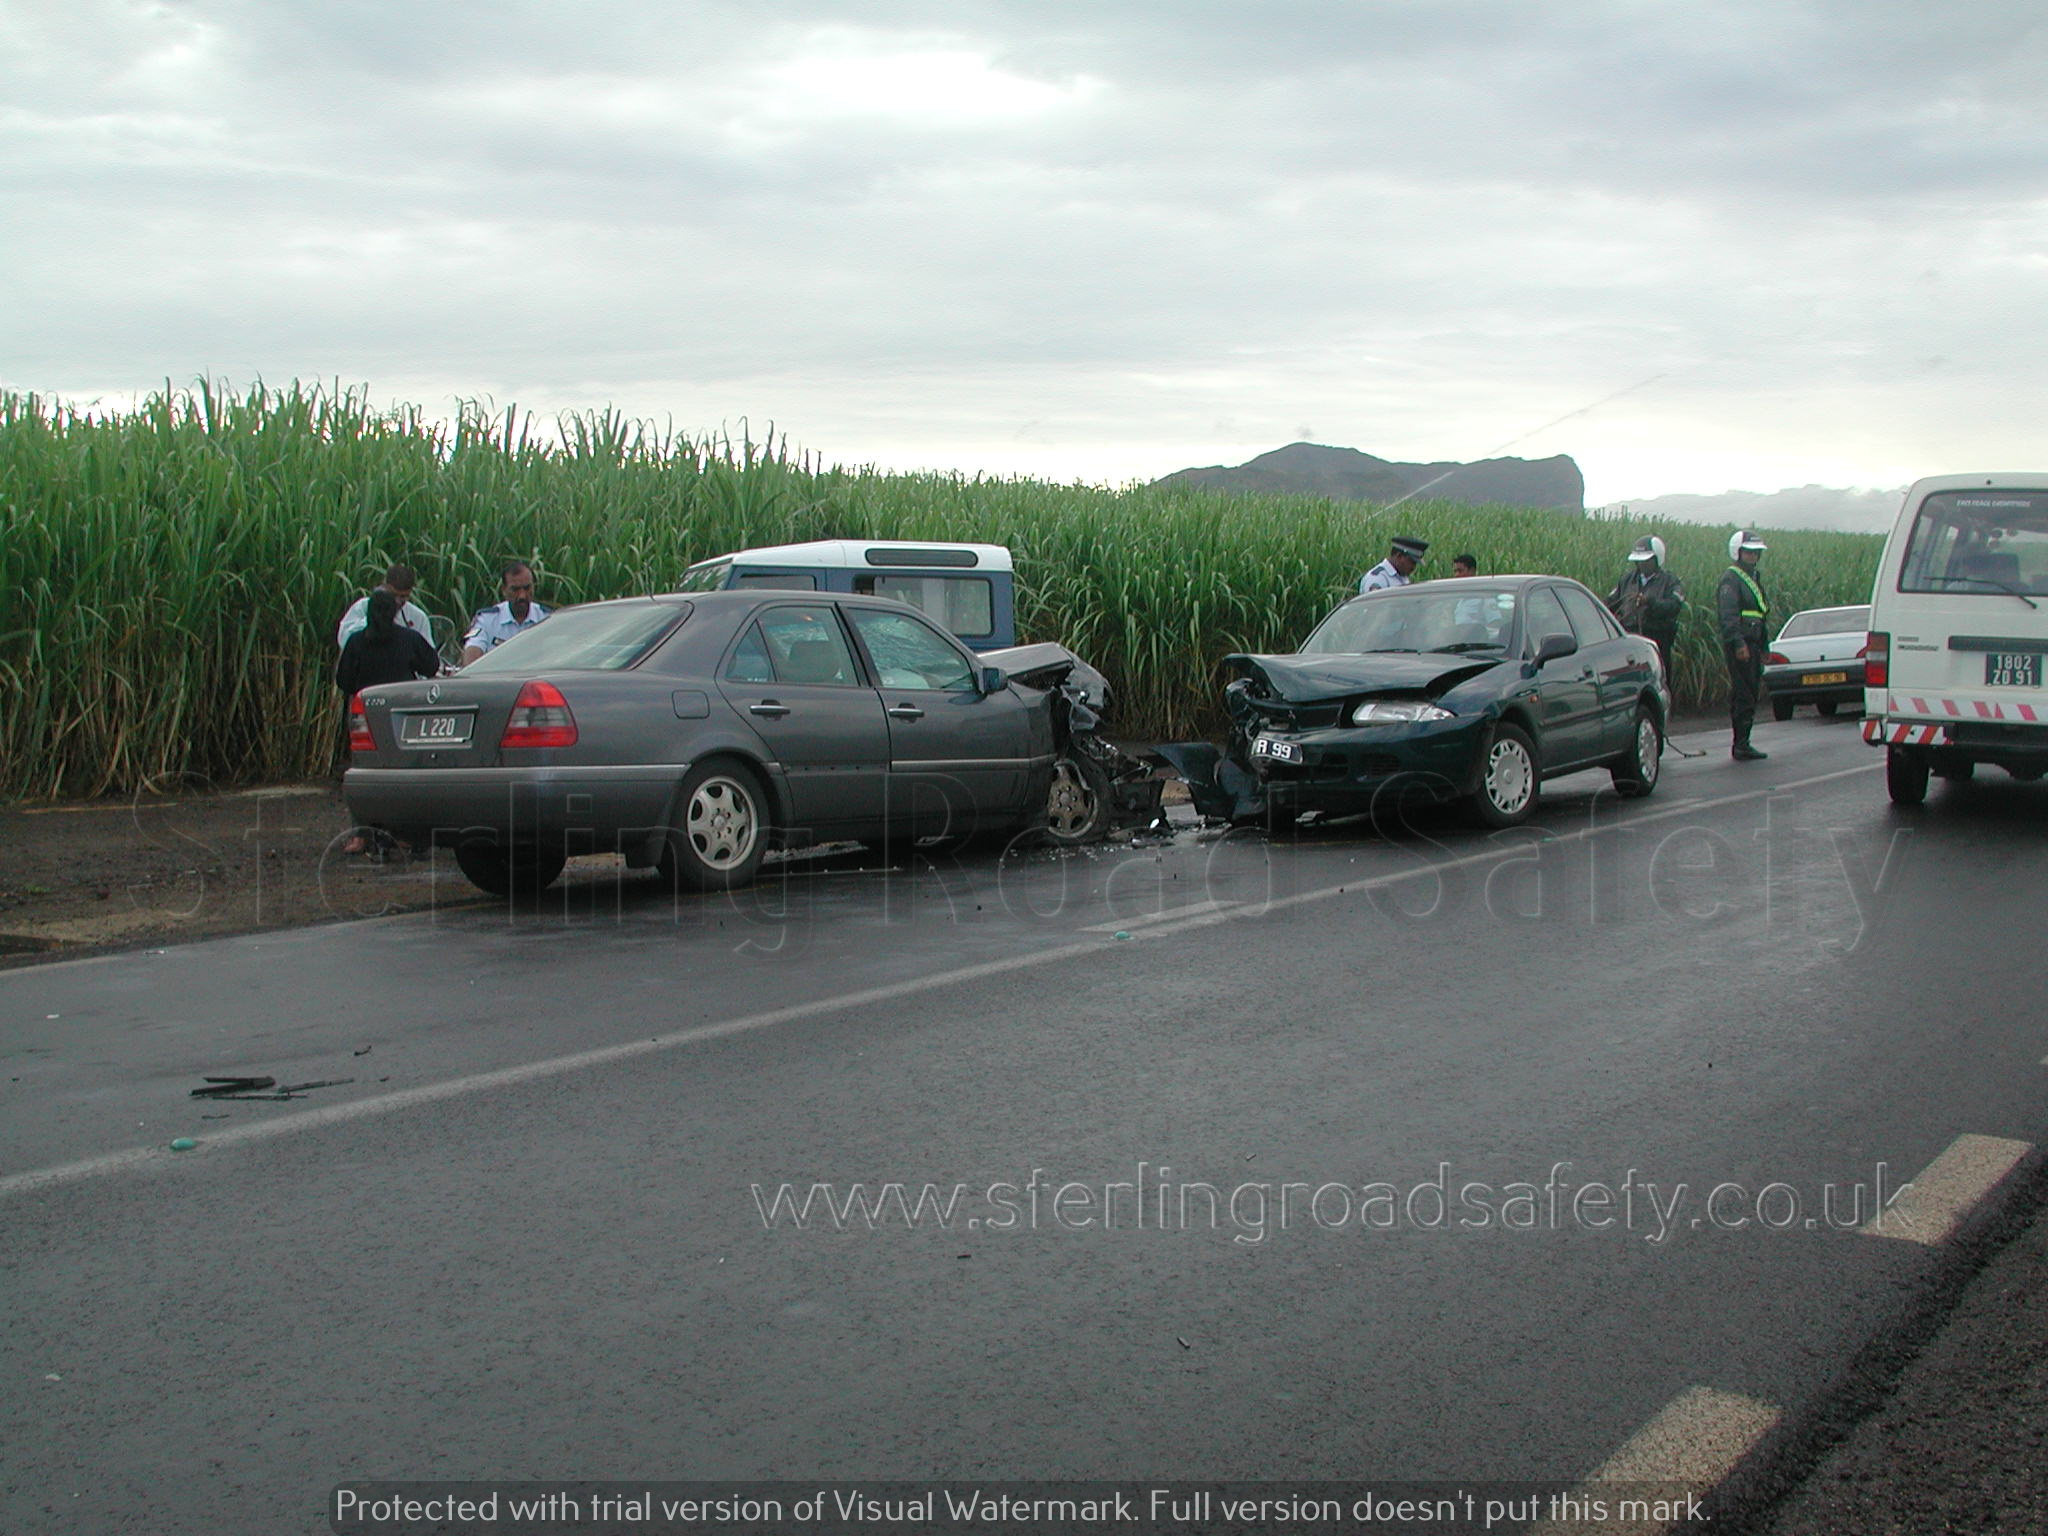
[905,712]
[769,708]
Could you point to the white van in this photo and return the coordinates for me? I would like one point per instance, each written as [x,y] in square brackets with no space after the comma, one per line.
[1954,671]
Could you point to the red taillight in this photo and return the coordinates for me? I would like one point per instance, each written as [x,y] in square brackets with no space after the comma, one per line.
[540,718]
[359,737]
[1877,660]
[1773,659]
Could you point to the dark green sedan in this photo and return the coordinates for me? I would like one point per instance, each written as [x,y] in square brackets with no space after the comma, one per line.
[1475,690]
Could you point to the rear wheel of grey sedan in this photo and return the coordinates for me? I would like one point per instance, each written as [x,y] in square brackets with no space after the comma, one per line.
[1635,771]
[1508,781]
[721,831]
[1781,709]
[521,872]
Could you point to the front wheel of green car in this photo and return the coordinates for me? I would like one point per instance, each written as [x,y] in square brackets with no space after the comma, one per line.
[1508,779]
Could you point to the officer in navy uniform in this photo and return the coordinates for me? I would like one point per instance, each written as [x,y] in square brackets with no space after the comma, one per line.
[501,621]
[1744,610]
[1397,569]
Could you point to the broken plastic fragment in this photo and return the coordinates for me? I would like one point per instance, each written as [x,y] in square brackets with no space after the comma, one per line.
[183,1144]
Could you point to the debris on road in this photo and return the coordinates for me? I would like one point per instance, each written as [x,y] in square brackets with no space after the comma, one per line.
[183,1144]
[225,1087]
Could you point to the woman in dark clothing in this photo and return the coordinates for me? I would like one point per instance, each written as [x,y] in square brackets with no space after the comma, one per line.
[385,651]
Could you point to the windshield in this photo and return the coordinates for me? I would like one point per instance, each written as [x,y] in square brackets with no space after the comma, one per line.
[1979,543]
[706,577]
[596,639]
[1422,618]
[1826,621]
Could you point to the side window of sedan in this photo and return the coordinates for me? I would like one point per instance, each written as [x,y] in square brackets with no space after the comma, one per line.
[750,662]
[1588,617]
[806,645]
[1543,617]
[911,654]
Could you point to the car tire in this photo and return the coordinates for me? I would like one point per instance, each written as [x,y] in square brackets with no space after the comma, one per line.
[1905,775]
[1781,709]
[1078,802]
[1828,706]
[720,833]
[1636,770]
[1509,780]
[521,872]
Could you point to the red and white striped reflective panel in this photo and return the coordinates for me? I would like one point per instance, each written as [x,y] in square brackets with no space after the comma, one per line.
[1939,706]
[1880,732]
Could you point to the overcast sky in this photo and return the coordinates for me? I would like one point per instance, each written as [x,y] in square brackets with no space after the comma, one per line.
[1752,245]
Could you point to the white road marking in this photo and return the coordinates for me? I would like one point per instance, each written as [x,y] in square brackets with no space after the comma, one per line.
[1193,909]
[1935,1203]
[505,1077]
[1682,1453]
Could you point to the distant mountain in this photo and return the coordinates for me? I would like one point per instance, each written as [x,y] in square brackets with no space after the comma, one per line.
[1799,506]
[1345,474]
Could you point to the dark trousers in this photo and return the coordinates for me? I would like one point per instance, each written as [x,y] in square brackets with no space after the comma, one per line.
[1664,639]
[1745,682]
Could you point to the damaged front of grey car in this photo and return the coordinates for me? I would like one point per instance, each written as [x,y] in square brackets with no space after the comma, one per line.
[1474,690]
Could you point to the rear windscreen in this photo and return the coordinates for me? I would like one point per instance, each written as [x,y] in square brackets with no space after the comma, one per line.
[1979,543]
[595,639]
[1826,621]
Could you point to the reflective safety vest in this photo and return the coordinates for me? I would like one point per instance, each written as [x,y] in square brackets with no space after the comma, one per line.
[1763,604]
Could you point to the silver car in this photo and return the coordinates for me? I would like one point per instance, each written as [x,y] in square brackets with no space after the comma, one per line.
[692,733]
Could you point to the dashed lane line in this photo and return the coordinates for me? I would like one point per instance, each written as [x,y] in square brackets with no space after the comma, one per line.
[1648,1486]
[1930,1208]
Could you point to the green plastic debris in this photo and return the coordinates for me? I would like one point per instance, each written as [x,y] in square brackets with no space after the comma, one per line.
[183,1144]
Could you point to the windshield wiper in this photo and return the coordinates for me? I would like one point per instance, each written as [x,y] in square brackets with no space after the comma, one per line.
[1993,581]
[1458,647]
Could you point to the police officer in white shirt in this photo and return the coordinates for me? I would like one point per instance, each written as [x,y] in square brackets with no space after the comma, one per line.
[501,621]
[1397,569]
[399,580]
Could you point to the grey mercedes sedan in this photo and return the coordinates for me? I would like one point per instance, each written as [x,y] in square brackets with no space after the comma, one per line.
[691,734]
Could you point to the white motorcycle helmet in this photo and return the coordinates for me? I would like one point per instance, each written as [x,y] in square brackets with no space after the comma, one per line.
[1742,539]
[1648,547]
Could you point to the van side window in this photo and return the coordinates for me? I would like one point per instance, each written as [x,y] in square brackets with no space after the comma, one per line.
[776,579]
[964,605]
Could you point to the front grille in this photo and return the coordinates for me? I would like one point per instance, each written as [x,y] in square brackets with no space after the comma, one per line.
[1296,717]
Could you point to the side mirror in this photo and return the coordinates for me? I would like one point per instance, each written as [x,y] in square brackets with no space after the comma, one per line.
[993,680]
[1554,646]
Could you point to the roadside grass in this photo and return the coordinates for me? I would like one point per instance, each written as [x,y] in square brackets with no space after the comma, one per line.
[172,574]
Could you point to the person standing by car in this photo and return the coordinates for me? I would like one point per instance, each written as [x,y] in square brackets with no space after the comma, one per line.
[1464,565]
[494,625]
[1648,599]
[400,580]
[384,650]
[1744,609]
[1397,569]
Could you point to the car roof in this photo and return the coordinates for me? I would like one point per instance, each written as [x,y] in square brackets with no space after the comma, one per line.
[1475,584]
[874,554]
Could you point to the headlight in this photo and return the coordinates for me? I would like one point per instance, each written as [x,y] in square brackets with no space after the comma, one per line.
[1387,711]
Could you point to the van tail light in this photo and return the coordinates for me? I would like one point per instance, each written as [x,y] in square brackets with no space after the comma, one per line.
[359,737]
[540,718]
[1775,659]
[1877,660]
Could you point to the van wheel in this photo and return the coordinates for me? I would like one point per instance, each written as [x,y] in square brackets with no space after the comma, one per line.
[1781,709]
[1905,775]
[520,872]
[722,830]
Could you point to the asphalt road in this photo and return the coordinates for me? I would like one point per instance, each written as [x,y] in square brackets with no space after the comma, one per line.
[1354,1157]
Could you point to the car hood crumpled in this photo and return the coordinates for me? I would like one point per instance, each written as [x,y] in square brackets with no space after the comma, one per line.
[1305,679]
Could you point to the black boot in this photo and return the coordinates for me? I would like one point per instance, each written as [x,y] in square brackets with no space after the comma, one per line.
[1743,752]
